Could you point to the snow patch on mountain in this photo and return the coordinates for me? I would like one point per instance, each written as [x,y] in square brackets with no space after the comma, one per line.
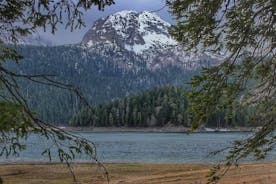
[133,31]
[151,40]
[144,35]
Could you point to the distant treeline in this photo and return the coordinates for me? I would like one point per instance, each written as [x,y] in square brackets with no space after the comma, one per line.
[153,108]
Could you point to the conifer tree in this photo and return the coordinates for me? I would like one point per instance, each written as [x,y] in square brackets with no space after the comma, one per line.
[243,33]
[20,18]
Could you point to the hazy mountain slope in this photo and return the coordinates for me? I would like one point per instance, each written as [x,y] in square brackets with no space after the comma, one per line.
[35,39]
[99,77]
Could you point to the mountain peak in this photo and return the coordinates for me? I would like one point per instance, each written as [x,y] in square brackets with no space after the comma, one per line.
[142,35]
[130,30]
[124,13]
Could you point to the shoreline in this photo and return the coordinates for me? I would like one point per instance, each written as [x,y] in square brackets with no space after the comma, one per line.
[167,129]
[102,162]
[134,173]
[126,163]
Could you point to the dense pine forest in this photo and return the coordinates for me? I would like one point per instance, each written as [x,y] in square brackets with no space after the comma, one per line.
[153,108]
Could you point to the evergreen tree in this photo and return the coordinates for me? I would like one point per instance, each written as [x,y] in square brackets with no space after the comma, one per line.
[19,18]
[244,32]
[153,108]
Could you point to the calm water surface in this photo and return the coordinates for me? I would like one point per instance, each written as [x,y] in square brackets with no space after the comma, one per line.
[147,147]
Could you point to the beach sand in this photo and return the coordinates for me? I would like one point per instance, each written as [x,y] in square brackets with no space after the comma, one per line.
[261,173]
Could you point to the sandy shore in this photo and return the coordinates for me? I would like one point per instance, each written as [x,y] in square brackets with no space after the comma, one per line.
[263,173]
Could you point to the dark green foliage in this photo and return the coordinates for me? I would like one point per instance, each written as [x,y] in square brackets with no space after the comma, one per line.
[19,18]
[11,117]
[158,107]
[153,108]
[245,32]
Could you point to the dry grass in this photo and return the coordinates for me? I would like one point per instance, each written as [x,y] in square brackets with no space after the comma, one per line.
[135,174]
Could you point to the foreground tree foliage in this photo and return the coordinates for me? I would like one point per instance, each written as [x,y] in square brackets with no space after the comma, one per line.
[244,32]
[19,18]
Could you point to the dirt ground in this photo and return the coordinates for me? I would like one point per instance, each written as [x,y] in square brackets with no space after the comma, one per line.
[263,173]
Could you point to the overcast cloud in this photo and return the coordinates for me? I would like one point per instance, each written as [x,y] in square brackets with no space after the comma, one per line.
[63,36]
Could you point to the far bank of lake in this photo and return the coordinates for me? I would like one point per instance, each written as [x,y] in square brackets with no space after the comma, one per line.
[165,129]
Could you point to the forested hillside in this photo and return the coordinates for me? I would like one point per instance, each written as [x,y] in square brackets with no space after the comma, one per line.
[100,78]
[114,59]
[153,108]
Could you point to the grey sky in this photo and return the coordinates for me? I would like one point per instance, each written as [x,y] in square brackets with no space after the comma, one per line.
[63,36]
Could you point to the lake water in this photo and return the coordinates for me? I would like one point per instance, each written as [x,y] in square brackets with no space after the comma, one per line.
[147,147]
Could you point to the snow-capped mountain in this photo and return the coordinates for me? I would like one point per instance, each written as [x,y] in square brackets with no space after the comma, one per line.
[122,54]
[130,30]
[144,35]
